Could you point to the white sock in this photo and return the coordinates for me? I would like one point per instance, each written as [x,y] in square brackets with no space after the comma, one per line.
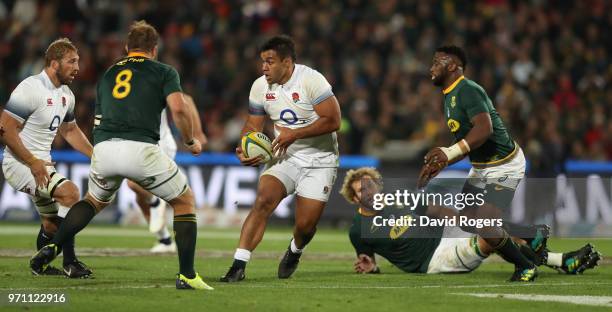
[242,255]
[62,211]
[555,258]
[294,248]
[163,233]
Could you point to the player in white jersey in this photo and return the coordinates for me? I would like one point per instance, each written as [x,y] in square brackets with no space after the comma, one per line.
[306,114]
[153,208]
[41,106]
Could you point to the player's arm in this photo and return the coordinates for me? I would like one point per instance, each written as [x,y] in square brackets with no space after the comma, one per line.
[328,122]
[255,122]
[76,138]
[195,118]
[366,262]
[181,114]
[474,102]
[9,134]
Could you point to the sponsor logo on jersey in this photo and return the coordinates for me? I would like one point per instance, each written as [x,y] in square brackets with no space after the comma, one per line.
[49,102]
[296,97]
[270,96]
[453,125]
[397,230]
[453,101]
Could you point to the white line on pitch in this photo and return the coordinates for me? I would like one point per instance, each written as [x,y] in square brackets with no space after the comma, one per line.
[604,301]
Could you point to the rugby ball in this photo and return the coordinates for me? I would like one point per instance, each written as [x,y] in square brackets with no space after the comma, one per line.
[256,143]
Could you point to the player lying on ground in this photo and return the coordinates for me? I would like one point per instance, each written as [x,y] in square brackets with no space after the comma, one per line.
[130,98]
[39,108]
[153,208]
[430,249]
[306,115]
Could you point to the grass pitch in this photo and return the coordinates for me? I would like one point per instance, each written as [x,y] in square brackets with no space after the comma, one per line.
[127,277]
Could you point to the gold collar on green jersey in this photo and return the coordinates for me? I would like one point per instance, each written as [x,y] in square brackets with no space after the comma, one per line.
[453,85]
[365,213]
[132,54]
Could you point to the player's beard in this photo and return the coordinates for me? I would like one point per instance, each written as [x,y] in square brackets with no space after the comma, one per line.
[438,80]
[64,79]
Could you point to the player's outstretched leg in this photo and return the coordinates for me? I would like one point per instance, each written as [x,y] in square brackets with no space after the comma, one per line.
[307,214]
[502,243]
[186,231]
[574,262]
[270,192]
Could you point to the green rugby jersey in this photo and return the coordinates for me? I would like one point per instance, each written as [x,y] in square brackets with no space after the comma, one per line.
[410,248]
[462,101]
[130,98]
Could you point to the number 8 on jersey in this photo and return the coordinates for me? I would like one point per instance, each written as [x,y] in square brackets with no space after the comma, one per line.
[122,84]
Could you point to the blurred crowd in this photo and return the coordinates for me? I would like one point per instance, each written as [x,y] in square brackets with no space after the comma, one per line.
[545,64]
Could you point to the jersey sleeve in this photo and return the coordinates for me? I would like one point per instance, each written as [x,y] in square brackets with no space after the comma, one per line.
[172,82]
[359,245]
[256,106]
[317,87]
[473,100]
[21,104]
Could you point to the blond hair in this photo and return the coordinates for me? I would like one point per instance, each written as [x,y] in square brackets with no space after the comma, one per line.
[142,37]
[58,49]
[356,174]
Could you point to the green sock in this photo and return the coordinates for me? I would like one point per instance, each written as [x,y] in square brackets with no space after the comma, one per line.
[185,234]
[77,218]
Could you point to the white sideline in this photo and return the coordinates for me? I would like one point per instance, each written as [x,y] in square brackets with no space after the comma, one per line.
[601,301]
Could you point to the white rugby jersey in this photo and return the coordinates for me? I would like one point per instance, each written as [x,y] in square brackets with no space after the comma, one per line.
[166,139]
[42,108]
[292,105]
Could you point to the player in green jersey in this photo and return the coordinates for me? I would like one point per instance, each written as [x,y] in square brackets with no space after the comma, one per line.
[424,249]
[498,162]
[130,98]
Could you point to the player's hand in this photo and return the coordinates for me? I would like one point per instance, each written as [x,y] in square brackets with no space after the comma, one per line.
[282,141]
[364,264]
[195,147]
[39,171]
[434,162]
[435,155]
[252,161]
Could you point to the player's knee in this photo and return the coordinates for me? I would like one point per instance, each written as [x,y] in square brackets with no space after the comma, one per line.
[68,194]
[184,204]
[306,227]
[265,203]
